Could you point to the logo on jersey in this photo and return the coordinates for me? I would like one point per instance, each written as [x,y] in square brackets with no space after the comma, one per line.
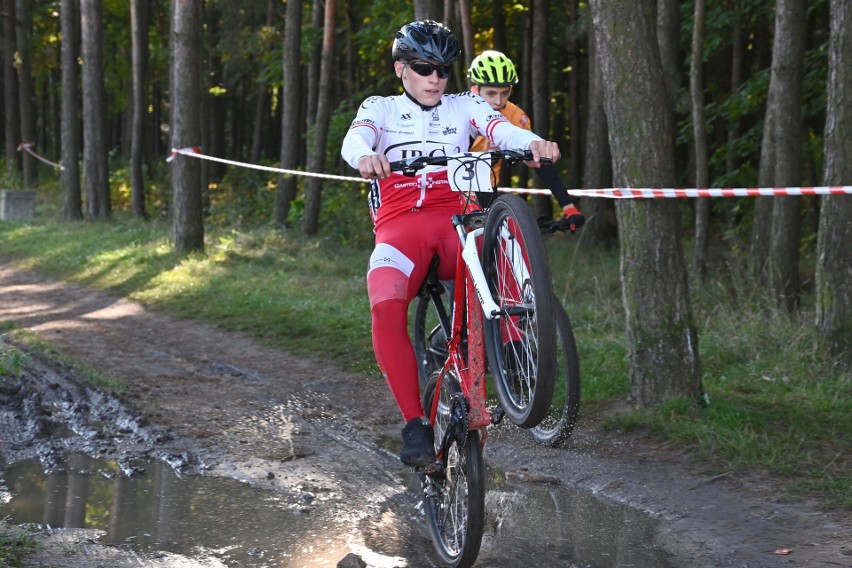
[449,130]
[406,116]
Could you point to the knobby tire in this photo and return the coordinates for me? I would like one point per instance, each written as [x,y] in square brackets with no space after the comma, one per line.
[564,410]
[521,344]
[455,511]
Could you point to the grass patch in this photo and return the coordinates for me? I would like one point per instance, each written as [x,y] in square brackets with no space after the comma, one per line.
[30,343]
[15,545]
[778,404]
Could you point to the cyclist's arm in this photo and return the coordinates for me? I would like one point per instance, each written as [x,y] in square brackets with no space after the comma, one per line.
[363,135]
[551,179]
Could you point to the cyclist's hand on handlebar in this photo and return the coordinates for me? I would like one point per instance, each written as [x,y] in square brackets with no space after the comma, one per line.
[572,219]
[374,166]
[543,149]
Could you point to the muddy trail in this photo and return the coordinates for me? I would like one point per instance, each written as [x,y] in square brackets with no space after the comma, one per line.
[223,452]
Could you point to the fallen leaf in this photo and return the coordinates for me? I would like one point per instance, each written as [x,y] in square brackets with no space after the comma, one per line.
[784,551]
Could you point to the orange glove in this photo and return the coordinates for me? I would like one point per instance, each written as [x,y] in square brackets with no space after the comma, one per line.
[572,219]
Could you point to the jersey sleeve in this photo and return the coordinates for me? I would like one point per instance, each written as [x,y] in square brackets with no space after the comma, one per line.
[363,135]
[499,131]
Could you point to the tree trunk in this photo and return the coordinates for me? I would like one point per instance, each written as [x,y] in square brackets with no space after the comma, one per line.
[785,95]
[188,222]
[26,99]
[661,336]
[468,51]
[11,123]
[261,102]
[834,255]
[498,22]
[72,204]
[542,204]
[427,9]
[601,226]
[575,144]
[317,163]
[291,115]
[95,165]
[314,67]
[139,38]
[699,129]
[668,39]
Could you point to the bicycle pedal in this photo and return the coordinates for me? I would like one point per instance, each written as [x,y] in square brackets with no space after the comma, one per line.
[498,415]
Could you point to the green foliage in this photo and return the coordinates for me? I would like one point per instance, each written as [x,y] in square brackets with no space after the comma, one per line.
[15,545]
[12,361]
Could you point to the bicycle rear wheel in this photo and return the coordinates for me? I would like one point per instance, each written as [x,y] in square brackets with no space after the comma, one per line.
[454,499]
[564,410]
[521,344]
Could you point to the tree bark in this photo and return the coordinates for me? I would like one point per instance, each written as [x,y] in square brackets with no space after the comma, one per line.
[70,190]
[468,51]
[785,95]
[188,223]
[95,165]
[699,130]
[139,38]
[834,254]
[317,163]
[26,99]
[543,204]
[291,115]
[661,336]
[601,226]
[427,10]
[11,123]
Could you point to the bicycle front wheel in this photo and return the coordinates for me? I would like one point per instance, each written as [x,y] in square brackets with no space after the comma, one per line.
[564,410]
[521,344]
[454,499]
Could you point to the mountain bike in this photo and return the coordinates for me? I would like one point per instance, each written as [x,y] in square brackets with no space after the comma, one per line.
[502,310]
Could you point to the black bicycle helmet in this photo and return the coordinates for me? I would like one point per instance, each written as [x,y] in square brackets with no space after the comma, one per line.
[427,40]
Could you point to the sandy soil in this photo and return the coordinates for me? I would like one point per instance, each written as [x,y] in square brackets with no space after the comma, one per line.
[220,404]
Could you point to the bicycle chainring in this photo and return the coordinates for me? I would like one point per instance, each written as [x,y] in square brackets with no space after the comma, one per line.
[458,418]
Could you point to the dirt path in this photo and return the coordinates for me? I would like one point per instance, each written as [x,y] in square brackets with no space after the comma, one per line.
[220,404]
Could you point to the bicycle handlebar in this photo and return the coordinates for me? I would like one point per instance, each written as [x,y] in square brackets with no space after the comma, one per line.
[410,166]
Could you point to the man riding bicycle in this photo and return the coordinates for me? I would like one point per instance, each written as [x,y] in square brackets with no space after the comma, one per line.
[411,215]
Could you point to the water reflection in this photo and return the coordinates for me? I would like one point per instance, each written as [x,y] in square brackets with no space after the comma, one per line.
[528,524]
[568,527]
[159,511]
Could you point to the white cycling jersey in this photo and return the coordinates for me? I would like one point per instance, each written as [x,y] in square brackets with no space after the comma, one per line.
[400,128]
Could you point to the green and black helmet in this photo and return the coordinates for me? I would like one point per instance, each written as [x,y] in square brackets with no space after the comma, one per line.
[492,68]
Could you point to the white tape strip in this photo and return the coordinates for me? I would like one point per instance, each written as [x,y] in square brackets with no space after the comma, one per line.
[28,148]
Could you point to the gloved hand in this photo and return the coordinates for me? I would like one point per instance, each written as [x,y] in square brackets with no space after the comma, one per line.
[572,219]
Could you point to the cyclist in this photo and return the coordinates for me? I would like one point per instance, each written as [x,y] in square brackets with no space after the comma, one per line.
[411,214]
[492,76]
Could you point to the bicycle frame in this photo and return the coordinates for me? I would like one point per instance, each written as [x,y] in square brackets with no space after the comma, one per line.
[472,301]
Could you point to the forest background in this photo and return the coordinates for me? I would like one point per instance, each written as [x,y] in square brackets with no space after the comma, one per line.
[738,93]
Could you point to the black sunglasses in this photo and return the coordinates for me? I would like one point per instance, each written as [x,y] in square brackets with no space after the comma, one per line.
[425,69]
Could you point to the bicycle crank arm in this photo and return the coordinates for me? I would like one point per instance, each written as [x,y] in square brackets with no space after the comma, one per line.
[470,254]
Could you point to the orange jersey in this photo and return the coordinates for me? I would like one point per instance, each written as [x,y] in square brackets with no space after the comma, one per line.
[516,116]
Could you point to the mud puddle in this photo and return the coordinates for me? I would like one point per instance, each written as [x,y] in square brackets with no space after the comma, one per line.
[157,510]
[242,525]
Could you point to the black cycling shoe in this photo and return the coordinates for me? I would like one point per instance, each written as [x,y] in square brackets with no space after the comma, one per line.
[419,441]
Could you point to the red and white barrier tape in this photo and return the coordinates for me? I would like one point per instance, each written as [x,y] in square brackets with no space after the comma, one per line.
[28,148]
[609,193]
[651,193]
[195,152]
